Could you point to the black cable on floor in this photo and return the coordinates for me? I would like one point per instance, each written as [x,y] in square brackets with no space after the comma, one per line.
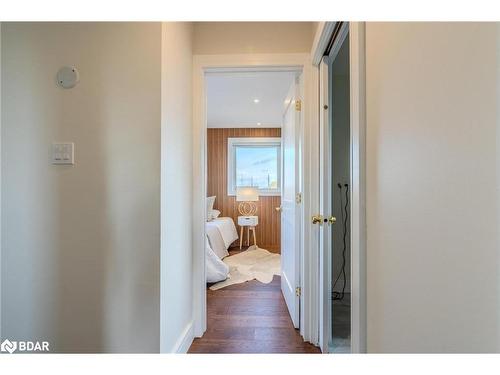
[345,216]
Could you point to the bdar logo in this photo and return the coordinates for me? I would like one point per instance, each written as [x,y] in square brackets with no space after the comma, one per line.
[8,346]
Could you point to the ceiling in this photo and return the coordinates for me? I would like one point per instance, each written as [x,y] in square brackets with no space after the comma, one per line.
[231,99]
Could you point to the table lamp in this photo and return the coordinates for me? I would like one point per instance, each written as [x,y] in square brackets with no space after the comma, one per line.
[247,196]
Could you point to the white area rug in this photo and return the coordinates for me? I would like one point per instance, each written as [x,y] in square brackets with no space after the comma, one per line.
[253,263]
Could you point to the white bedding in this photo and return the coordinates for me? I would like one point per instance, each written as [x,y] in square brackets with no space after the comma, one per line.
[227,229]
[221,233]
[216,241]
[217,270]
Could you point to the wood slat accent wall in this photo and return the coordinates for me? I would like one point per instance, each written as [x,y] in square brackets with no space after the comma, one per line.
[269,228]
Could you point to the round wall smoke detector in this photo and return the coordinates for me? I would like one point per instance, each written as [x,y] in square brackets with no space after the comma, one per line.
[68,77]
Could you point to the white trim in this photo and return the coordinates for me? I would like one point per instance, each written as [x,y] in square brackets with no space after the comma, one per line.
[339,39]
[228,70]
[321,40]
[231,162]
[309,307]
[327,186]
[357,191]
[309,267]
[358,187]
[325,203]
[185,340]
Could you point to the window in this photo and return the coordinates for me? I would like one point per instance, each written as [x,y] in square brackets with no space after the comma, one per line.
[254,162]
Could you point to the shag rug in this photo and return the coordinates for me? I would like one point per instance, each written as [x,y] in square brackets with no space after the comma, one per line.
[250,264]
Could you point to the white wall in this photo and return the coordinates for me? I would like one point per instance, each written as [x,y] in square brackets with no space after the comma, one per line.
[252,37]
[81,243]
[177,188]
[432,195]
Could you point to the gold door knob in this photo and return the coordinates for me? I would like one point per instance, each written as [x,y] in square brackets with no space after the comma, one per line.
[279,209]
[317,219]
[332,220]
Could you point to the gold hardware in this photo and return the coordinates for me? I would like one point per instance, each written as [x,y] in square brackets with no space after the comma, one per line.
[298,198]
[298,105]
[317,219]
[332,220]
[298,291]
[279,209]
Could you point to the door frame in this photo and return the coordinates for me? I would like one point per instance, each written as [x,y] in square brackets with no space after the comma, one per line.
[358,180]
[325,202]
[309,317]
[357,57]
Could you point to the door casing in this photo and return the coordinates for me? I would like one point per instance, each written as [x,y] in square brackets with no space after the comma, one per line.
[357,190]
[309,280]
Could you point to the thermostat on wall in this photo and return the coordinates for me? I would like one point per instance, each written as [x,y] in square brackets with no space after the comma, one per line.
[68,77]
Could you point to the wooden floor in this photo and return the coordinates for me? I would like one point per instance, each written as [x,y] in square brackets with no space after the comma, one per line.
[249,318]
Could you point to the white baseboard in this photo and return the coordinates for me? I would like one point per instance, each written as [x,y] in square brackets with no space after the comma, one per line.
[185,340]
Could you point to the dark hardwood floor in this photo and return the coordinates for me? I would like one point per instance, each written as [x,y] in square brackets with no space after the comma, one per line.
[249,318]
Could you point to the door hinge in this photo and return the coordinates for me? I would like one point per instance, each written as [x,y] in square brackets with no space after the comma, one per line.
[298,198]
[298,291]
[298,105]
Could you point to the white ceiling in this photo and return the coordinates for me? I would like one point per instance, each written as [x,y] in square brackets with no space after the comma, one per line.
[230,99]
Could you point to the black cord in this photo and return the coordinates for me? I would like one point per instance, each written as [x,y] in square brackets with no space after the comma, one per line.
[345,215]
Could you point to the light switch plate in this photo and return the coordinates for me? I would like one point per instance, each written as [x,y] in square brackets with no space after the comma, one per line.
[63,153]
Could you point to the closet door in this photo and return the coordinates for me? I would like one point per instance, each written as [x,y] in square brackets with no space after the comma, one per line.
[335,176]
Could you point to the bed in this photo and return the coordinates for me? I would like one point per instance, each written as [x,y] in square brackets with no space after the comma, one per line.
[221,233]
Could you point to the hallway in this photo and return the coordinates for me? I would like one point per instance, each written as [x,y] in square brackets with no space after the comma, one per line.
[250,318]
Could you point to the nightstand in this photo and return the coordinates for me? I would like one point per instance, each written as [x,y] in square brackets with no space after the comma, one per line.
[250,222]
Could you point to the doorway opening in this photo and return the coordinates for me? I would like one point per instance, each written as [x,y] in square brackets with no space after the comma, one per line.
[254,219]
[340,180]
[342,189]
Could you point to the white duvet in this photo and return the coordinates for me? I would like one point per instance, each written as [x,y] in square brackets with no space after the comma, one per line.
[227,229]
[221,233]
[216,242]
[216,269]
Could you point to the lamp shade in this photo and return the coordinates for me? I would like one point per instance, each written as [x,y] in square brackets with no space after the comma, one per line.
[247,194]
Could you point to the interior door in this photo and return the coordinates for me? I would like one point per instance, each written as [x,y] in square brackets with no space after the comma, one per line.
[334,183]
[290,199]
[325,204]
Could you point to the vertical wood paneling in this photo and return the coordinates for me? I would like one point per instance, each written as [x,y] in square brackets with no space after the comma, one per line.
[269,228]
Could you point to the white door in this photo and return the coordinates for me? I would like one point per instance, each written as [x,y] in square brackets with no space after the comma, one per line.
[290,200]
[325,204]
[335,155]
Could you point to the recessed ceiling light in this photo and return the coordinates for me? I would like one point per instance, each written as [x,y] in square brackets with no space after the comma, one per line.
[256,100]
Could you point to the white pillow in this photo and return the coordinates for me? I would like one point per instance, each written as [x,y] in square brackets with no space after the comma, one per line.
[215,214]
[210,207]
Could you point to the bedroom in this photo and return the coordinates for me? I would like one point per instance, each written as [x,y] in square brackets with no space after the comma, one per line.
[248,167]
